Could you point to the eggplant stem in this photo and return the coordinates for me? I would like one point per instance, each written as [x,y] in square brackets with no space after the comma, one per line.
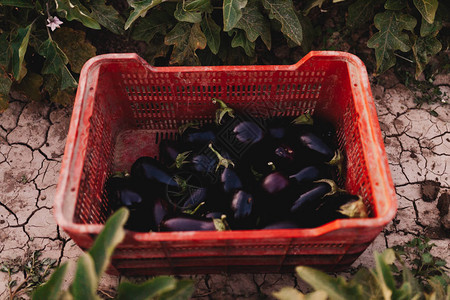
[222,110]
[184,127]
[221,224]
[334,187]
[193,211]
[354,209]
[181,159]
[338,161]
[222,160]
[304,119]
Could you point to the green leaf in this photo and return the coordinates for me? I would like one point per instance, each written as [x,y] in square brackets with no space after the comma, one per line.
[140,8]
[368,283]
[5,86]
[73,10]
[395,4]
[197,5]
[391,37]
[4,50]
[30,86]
[84,285]
[18,3]
[424,49]
[212,33]
[383,272]
[186,39]
[283,11]
[74,44]
[254,23]
[156,22]
[147,290]
[427,9]
[311,4]
[183,290]
[430,29]
[232,12]
[19,47]
[289,293]
[241,40]
[55,63]
[336,288]
[107,16]
[52,288]
[111,235]
[187,16]
[360,12]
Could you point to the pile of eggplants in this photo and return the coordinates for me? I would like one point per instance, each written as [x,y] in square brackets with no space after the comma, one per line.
[238,173]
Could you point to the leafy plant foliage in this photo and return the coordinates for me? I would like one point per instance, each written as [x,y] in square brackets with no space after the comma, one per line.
[92,264]
[200,32]
[404,272]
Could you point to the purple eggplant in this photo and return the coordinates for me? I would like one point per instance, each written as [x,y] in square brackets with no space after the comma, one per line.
[310,173]
[248,132]
[285,152]
[204,163]
[275,182]
[146,169]
[195,198]
[159,212]
[230,180]
[187,223]
[313,198]
[282,225]
[242,204]
[313,142]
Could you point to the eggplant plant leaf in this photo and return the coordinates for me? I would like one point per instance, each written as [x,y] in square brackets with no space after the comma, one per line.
[105,243]
[55,63]
[51,290]
[336,288]
[19,47]
[5,86]
[212,33]
[311,4]
[156,22]
[232,12]
[430,29]
[30,86]
[186,39]
[289,293]
[4,50]
[183,290]
[73,10]
[107,16]
[390,37]
[254,23]
[360,12]
[395,4]
[187,16]
[424,48]
[427,9]
[241,40]
[74,44]
[147,290]
[18,3]
[84,285]
[198,5]
[140,9]
[283,11]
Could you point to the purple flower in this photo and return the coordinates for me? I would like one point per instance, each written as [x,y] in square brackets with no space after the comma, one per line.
[53,23]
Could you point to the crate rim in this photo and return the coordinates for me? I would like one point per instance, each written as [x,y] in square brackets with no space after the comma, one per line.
[64,191]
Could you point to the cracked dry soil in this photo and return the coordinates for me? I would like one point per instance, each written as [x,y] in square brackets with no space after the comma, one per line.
[32,140]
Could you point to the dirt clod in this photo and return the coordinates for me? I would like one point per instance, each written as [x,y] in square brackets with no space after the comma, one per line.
[430,190]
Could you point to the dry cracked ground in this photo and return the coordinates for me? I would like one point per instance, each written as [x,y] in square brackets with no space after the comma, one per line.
[32,139]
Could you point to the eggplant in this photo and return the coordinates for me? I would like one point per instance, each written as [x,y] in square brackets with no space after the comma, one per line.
[187,223]
[316,144]
[146,169]
[310,173]
[242,204]
[309,197]
[200,137]
[169,151]
[230,180]
[275,182]
[125,192]
[248,132]
[204,163]
[285,152]
[159,212]
[195,198]
[282,225]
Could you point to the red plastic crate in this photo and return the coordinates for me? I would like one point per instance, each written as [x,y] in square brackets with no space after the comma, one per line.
[124,107]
